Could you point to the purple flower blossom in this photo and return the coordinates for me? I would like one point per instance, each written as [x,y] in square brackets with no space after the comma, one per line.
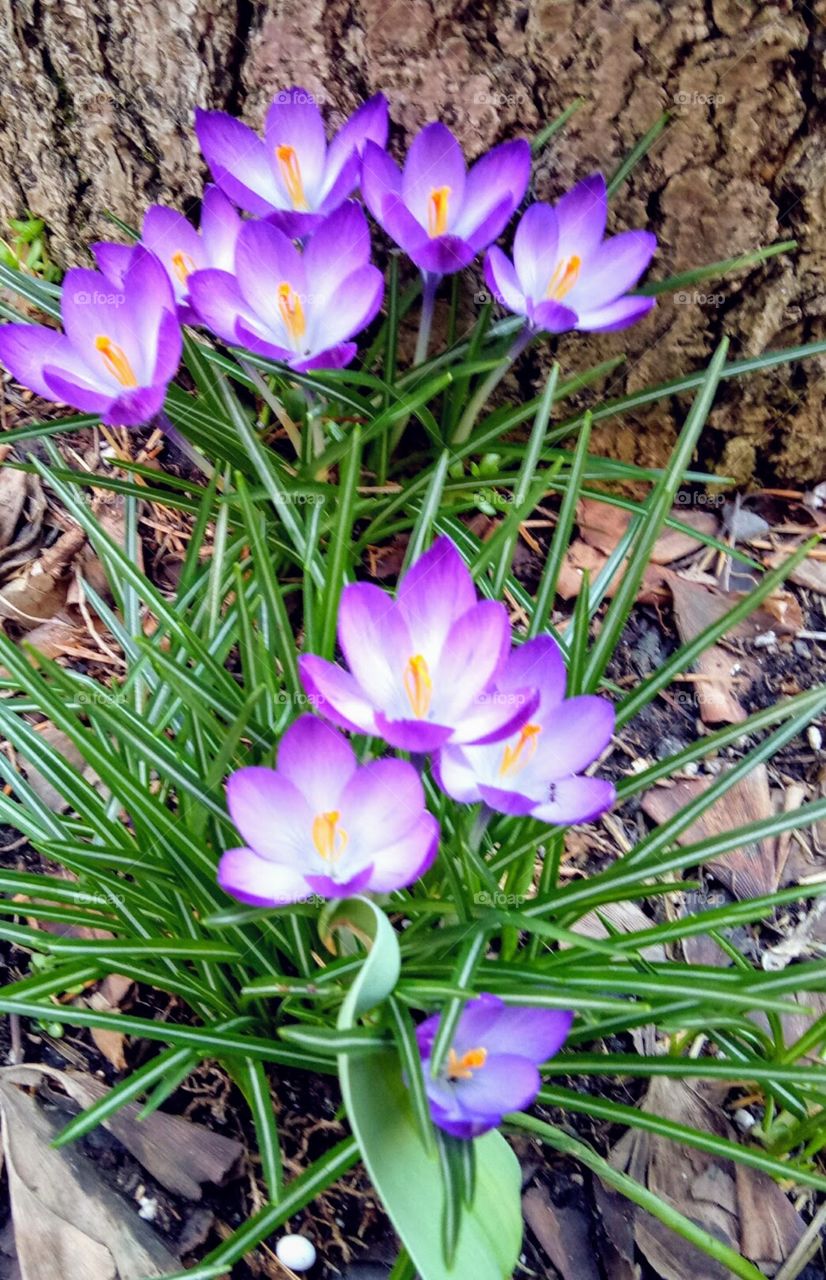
[422,666]
[292,175]
[178,246]
[323,824]
[537,770]
[564,275]
[438,212]
[491,1067]
[297,306]
[120,349]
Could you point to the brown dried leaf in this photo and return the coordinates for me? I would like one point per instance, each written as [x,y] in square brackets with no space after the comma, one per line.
[68,1225]
[12,497]
[564,1234]
[749,871]
[602,525]
[41,590]
[580,556]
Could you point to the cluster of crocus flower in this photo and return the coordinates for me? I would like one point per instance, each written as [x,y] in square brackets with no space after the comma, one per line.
[431,671]
[246,280]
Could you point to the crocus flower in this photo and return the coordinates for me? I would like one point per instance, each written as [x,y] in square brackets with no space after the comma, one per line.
[491,1067]
[564,275]
[422,666]
[292,175]
[178,246]
[438,212]
[297,306]
[323,824]
[536,771]
[120,347]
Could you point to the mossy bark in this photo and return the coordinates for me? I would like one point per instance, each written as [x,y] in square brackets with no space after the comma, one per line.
[96,108]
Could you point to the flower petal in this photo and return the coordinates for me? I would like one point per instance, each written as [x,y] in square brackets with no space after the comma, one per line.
[339,246]
[112,259]
[576,799]
[497,182]
[270,813]
[507,1082]
[376,645]
[553,317]
[614,268]
[581,214]
[245,876]
[317,760]
[434,160]
[369,123]
[220,227]
[217,299]
[265,259]
[494,716]
[573,736]
[134,408]
[25,349]
[330,358]
[78,393]
[454,774]
[418,736]
[169,346]
[616,315]
[294,120]
[474,652]
[501,800]
[380,803]
[380,177]
[401,864]
[536,1034]
[502,281]
[434,592]
[338,187]
[239,161]
[536,249]
[92,306]
[443,255]
[538,663]
[167,233]
[336,694]
[349,309]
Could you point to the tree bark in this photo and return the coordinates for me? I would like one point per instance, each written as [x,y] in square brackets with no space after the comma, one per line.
[96,114]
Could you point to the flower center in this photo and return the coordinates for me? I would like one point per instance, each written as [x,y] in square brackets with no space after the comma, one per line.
[464,1067]
[329,838]
[115,360]
[290,171]
[564,278]
[514,758]
[418,686]
[182,265]
[437,211]
[291,311]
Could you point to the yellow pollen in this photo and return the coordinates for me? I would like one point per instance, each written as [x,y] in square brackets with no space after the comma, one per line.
[564,278]
[464,1067]
[437,211]
[418,686]
[516,757]
[291,173]
[328,837]
[115,360]
[291,310]
[183,265]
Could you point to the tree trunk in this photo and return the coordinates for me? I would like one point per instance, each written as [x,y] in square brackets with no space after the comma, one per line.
[96,109]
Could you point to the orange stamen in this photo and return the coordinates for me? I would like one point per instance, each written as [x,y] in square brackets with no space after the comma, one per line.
[183,265]
[291,173]
[437,211]
[464,1067]
[292,312]
[115,360]
[516,757]
[328,837]
[418,686]
[564,278]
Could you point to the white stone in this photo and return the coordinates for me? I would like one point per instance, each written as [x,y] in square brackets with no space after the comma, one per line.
[296,1252]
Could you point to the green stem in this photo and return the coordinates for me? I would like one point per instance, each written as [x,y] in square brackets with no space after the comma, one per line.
[486,388]
[430,285]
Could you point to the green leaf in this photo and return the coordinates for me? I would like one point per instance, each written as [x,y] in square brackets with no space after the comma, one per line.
[407,1177]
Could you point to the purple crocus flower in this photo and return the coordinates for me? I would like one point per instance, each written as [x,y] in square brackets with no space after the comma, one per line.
[323,824]
[491,1067]
[537,770]
[438,212]
[181,249]
[564,275]
[421,667]
[120,347]
[297,306]
[291,176]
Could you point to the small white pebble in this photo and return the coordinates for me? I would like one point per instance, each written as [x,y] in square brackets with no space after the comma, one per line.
[296,1252]
[815,737]
[765,641]
[691,769]
[744,1120]
[148,1208]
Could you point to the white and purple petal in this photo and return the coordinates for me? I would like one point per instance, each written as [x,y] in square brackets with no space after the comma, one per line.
[259,882]
[239,162]
[502,281]
[317,760]
[616,315]
[270,812]
[576,799]
[434,160]
[336,694]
